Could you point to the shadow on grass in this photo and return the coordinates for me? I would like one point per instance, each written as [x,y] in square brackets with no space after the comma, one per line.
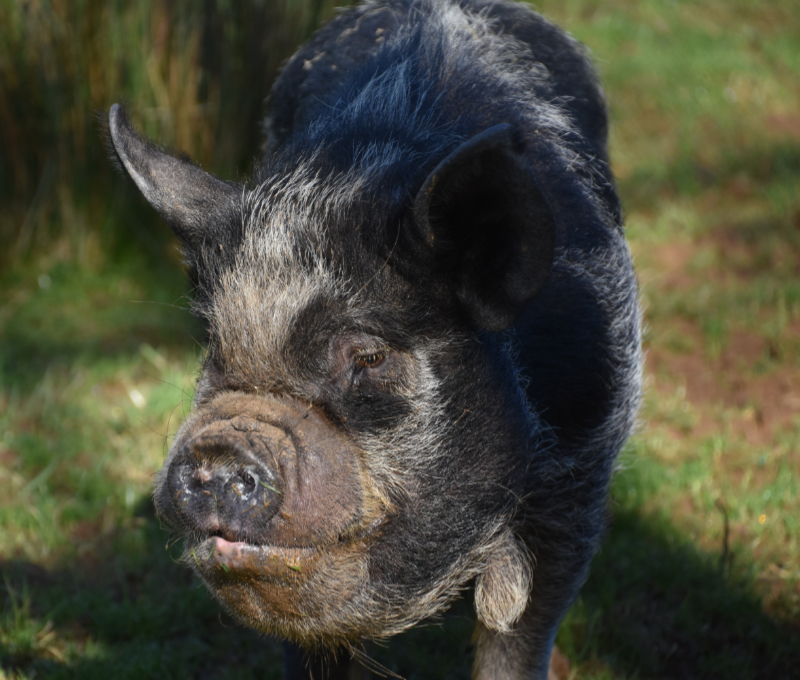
[657,607]
[654,607]
[123,614]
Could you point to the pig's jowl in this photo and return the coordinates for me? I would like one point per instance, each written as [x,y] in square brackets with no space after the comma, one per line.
[423,335]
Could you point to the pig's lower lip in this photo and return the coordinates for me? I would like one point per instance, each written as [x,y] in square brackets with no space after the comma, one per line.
[244,559]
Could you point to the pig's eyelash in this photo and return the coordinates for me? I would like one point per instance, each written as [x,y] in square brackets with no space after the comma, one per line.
[369,359]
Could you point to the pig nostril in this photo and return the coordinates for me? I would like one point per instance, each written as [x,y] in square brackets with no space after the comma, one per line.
[224,486]
[248,481]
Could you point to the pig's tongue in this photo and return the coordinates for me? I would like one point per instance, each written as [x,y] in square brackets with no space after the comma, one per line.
[227,549]
[239,558]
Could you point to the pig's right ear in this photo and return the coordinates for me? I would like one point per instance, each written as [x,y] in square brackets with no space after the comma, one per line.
[490,227]
[197,206]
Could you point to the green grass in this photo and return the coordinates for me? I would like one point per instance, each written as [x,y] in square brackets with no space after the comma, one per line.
[699,575]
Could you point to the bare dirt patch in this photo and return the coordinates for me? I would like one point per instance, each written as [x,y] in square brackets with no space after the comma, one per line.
[672,260]
[559,666]
[763,404]
[784,124]
[751,385]
[735,254]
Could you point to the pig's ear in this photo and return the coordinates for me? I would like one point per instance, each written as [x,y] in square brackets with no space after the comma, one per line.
[197,206]
[489,225]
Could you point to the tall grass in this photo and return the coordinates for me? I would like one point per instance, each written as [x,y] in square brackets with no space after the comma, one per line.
[196,73]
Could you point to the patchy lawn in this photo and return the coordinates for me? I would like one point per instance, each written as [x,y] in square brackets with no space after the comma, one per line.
[699,575]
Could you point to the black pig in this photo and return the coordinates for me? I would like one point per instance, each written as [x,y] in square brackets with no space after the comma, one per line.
[423,335]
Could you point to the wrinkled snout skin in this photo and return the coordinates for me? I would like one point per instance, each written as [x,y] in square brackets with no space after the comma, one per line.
[273,496]
[423,336]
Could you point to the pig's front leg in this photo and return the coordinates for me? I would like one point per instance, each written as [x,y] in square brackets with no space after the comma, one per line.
[523,654]
[302,665]
[524,651]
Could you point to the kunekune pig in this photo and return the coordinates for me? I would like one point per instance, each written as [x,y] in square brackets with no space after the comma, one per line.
[423,336]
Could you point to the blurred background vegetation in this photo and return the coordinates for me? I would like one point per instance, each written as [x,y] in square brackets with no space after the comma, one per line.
[699,576]
[196,73]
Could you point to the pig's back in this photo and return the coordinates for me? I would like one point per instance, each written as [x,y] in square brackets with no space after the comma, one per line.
[317,76]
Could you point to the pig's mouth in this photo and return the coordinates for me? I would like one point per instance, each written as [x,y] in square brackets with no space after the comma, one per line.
[239,559]
[292,592]
[267,562]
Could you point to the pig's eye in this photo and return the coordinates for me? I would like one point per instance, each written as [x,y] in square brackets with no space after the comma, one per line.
[369,359]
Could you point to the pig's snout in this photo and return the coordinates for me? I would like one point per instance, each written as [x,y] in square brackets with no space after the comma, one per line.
[225,484]
[266,473]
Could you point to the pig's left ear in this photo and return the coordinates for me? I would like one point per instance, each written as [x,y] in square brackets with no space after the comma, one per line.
[197,206]
[489,225]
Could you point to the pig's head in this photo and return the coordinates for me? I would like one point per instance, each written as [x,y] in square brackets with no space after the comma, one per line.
[359,440]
